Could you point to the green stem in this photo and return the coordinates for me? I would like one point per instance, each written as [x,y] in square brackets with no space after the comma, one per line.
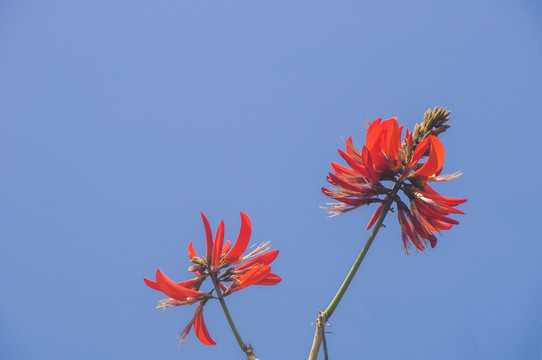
[324,316]
[227,313]
[333,304]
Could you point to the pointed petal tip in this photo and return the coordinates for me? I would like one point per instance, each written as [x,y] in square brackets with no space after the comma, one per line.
[152,284]
[269,280]
[245,218]
[175,290]
[240,245]
[201,331]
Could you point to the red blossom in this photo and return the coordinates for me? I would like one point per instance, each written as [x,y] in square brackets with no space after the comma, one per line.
[252,269]
[384,157]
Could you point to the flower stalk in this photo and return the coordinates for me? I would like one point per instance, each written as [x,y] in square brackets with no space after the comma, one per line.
[227,313]
[333,305]
[246,349]
[324,316]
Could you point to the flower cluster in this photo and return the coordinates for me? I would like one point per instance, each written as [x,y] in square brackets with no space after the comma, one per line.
[385,157]
[224,265]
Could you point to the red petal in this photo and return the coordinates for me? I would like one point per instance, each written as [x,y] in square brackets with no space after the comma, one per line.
[432,194]
[418,153]
[152,284]
[408,227]
[226,247]
[356,166]
[191,252]
[252,277]
[208,237]
[434,161]
[408,136]
[339,169]
[372,141]
[362,196]
[264,259]
[352,151]
[219,241]
[421,229]
[375,216]
[187,284]
[242,240]
[435,225]
[271,279]
[404,240]
[445,209]
[392,139]
[373,124]
[433,241]
[375,144]
[429,212]
[201,331]
[439,150]
[369,166]
[174,290]
[335,180]
[346,200]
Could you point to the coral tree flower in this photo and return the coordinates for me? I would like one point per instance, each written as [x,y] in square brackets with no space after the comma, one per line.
[227,267]
[385,157]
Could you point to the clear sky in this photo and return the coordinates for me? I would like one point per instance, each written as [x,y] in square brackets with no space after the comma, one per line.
[121,120]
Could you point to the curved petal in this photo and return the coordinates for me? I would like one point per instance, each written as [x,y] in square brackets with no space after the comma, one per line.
[429,192]
[409,229]
[264,259]
[439,150]
[348,201]
[219,241]
[241,244]
[435,225]
[226,247]
[360,168]
[408,137]
[191,251]
[418,153]
[430,213]
[187,284]
[174,290]
[337,181]
[271,279]
[434,161]
[152,284]
[201,331]
[375,216]
[208,236]
[191,284]
[417,219]
[339,169]
[391,139]
[369,166]
[252,277]
[373,135]
[376,143]
[351,150]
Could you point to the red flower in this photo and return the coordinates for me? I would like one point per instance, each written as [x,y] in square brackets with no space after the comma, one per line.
[386,158]
[217,265]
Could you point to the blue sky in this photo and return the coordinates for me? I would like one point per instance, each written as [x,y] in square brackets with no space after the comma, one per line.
[121,120]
